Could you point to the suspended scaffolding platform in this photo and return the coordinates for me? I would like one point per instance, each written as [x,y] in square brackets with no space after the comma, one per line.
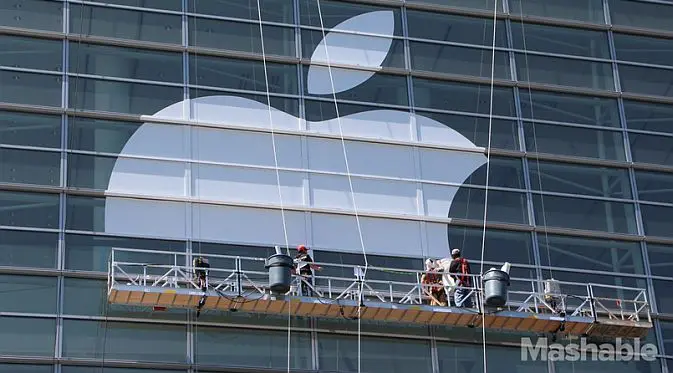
[161,279]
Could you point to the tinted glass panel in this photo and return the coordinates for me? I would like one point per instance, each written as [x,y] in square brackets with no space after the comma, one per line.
[609,366]
[590,254]
[468,358]
[121,97]
[253,348]
[507,207]
[380,88]
[31,89]
[99,135]
[339,353]
[24,368]
[649,116]
[664,297]
[454,28]
[504,172]
[349,44]
[651,149]
[29,209]
[242,74]
[287,105]
[641,14]
[31,53]
[30,167]
[272,10]
[576,179]
[89,171]
[645,80]
[504,133]
[27,336]
[661,260]
[125,24]
[107,369]
[175,5]
[28,249]
[667,331]
[574,10]
[644,49]
[560,40]
[463,97]
[333,13]
[656,220]
[574,141]
[577,109]
[241,37]
[451,59]
[124,341]
[575,213]
[128,63]
[29,294]
[30,129]
[91,253]
[32,14]
[654,186]
[501,246]
[563,71]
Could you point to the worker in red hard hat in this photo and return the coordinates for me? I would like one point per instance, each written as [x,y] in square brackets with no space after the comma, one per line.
[304,267]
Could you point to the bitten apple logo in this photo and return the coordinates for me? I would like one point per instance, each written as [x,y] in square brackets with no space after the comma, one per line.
[195,186]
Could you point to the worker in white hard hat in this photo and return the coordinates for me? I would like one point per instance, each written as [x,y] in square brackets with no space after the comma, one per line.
[460,271]
[432,281]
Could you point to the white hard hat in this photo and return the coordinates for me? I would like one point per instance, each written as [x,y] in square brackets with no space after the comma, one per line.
[455,251]
[429,263]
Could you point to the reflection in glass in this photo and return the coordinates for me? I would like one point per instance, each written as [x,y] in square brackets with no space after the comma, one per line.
[649,116]
[560,40]
[651,149]
[455,28]
[664,297]
[562,107]
[654,186]
[32,14]
[661,261]
[30,167]
[562,71]
[504,133]
[656,220]
[28,249]
[574,141]
[27,336]
[579,179]
[31,53]
[380,88]
[89,171]
[99,135]
[464,97]
[450,59]
[272,10]
[336,12]
[573,10]
[30,129]
[28,294]
[643,49]
[29,209]
[646,80]
[641,14]
[30,88]
[504,207]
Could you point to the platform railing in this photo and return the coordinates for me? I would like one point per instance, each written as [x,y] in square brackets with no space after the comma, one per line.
[246,276]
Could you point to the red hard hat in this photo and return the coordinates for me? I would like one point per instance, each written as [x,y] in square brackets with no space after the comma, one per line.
[301,248]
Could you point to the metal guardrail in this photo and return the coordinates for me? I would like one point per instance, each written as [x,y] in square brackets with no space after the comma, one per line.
[247,277]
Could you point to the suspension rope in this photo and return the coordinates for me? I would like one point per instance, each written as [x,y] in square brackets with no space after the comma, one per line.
[362,275]
[537,150]
[488,171]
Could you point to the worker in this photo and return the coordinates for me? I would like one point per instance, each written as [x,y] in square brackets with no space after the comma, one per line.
[460,271]
[432,281]
[200,271]
[304,268]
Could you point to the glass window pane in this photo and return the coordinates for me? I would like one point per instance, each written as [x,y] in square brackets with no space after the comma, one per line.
[125,24]
[455,28]
[25,368]
[661,261]
[590,254]
[586,214]
[656,220]
[27,336]
[32,14]
[648,116]
[501,246]
[130,63]
[339,353]
[336,12]
[30,167]
[654,186]
[246,75]
[564,71]
[579,179]
[241,37]
[287,105]
[609,366]
[272,10]
[28,294]
[651,149]
[380,88]
[667,334]
[252,348]
[468,358]
[28,249]
[30,129]
[99,135]
[449,59]
[30,88]
[174,5]
[89,171]
[664,296]
[310,40]
[560,40]
[121,97]
[574,141]
[85,213]
[480,4]
[29,209]
[124,341]
[644,49]
[107,369]
[504,207]
[31,53]
[560,107]
[464,97]
[91,253]
[504,173]
[641,14]
[646,80]
[573,10]
[504,133]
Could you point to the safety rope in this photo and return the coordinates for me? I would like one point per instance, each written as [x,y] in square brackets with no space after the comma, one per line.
[362,275]
[488,171]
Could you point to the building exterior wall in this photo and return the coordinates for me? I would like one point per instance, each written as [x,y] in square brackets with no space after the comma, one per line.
[145,124]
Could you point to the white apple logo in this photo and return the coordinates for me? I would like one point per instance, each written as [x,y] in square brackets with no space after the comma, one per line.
[195,190]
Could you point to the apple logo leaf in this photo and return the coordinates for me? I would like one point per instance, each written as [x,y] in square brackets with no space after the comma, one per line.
[362,41]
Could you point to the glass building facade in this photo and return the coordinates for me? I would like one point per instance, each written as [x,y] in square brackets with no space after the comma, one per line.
[580,185]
